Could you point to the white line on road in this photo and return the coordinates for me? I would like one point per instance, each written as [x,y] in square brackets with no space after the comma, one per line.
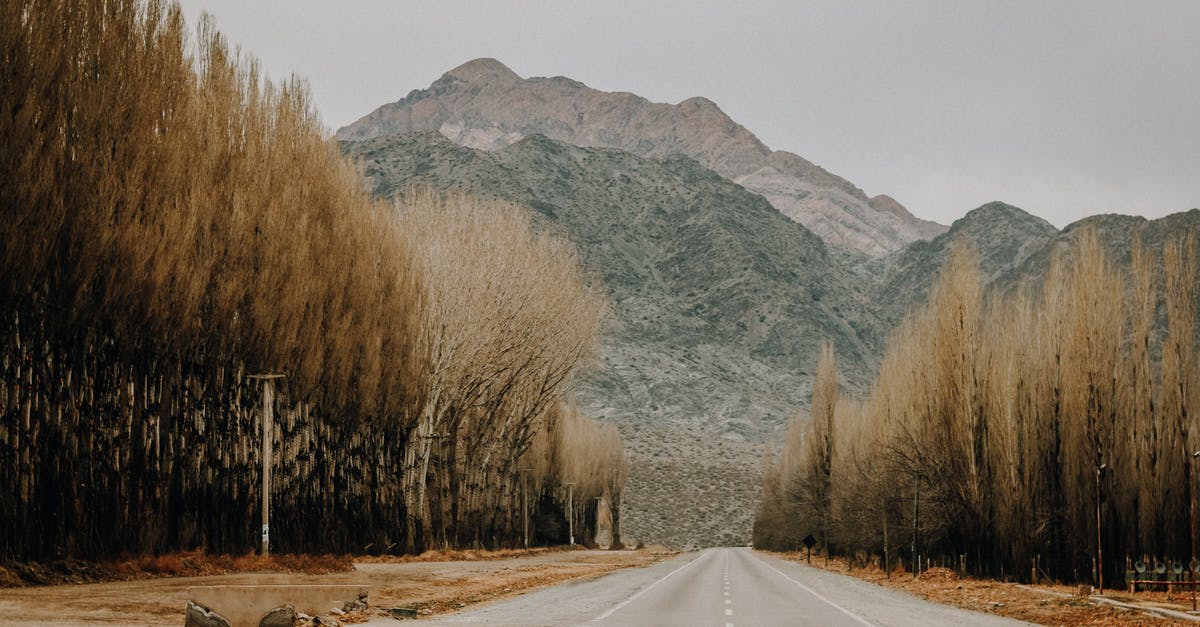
[729,612]
[643,591]
[815,593]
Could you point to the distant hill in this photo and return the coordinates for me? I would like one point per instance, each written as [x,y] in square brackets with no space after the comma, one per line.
[719,303]
[483,104]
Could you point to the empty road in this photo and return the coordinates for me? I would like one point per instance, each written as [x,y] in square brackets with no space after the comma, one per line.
[722,587]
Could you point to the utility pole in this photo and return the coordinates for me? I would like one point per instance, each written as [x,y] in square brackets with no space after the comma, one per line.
[916,565]
[1192,515]
[596,533]
[887,571]
[268,435]
[1099,541]
[571,512]
[525,502]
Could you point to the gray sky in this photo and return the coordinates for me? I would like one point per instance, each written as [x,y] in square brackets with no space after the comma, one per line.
[1062,108]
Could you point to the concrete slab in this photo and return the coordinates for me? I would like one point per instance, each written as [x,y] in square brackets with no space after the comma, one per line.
[244,606]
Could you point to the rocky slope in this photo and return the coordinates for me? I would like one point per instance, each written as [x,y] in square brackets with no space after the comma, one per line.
[719,303]
[483,104]
[1117,234]
[1003,236]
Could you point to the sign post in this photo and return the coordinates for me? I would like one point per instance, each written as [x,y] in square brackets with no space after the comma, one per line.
[809,541]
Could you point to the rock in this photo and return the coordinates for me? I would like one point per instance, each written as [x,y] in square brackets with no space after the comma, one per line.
[279,617]
[358,605]
[200,616]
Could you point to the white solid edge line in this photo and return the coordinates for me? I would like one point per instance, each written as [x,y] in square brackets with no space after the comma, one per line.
[644,590]
[843,610]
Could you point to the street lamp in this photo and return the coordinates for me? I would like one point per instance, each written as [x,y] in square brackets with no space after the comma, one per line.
[1099,542]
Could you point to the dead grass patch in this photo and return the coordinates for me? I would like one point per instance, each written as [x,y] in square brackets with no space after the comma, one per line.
[943,585]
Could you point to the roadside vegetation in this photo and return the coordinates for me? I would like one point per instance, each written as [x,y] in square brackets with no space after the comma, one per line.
[1003,429]
[173,222]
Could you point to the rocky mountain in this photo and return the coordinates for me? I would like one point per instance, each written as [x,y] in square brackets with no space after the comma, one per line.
[1117,234]
[1003,236]
[1015,250]
[483,104]
[719,304]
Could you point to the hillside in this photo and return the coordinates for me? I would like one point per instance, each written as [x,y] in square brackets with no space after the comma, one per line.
[1117,234]
[483,104]
[718,305]
[1003,236]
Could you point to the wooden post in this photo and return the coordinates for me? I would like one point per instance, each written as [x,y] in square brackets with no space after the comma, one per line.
[268,435]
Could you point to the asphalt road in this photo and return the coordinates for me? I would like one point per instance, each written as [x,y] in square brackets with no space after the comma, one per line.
[722,587]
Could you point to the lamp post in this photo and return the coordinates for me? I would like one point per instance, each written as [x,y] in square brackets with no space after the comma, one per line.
[1099,541]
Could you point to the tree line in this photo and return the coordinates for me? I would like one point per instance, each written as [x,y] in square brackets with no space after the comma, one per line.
[1012,430]
[173,221]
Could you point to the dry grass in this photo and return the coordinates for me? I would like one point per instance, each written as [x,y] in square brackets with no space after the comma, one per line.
[1035,605]
[181,564]
[433,587]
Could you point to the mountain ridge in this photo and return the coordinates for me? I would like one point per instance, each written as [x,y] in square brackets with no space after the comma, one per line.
[483,104]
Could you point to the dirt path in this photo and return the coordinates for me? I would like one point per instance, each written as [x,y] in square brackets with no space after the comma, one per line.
[431,587]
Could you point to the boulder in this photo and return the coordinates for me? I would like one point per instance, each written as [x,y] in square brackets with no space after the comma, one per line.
[200,616]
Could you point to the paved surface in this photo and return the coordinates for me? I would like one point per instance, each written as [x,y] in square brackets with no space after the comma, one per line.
[721,587]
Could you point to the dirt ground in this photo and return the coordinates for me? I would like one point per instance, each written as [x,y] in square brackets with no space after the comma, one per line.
[1035,604]
[428,583]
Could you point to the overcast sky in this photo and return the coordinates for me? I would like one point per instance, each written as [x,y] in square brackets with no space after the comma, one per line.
[1064,109]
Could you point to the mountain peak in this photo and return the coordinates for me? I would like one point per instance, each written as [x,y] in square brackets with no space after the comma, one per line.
[485,105]
[996,208]
[887,204]
[700,103]
[484,70]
